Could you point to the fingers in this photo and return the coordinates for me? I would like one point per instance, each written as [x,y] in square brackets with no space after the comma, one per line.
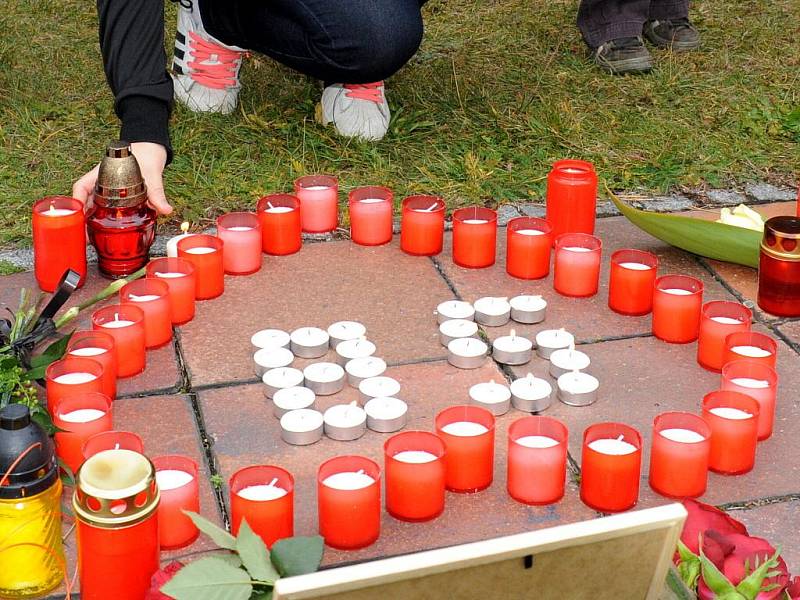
[83,189]
[157,198]
[152,158]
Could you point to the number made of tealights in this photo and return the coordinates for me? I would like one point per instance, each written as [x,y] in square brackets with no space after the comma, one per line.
[531,394]
[493,312]
[567,360]
[494,397]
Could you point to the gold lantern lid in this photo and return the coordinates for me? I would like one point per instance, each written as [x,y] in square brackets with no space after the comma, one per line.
[782,238]
[119,181]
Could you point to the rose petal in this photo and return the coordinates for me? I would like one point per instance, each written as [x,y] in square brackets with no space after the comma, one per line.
[703,517]
[161,577]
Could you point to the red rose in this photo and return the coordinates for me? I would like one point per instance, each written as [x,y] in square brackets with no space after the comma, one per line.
[704,517]
[794,588]
[161,577]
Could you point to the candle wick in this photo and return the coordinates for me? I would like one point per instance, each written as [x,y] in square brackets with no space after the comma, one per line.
[116,446]
[619,439]
[52,207]
[269,204]
[116,316]
[431,207]
[273,482]
[513,335]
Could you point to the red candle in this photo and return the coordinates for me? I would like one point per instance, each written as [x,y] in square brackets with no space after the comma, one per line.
[537,459]
[79,417]
[263,495]
[719,319]
[371,210]
[71,376]
[281,231]
[176,477]
[610,467]
[474,237]
[152,296]
[422,230]
[571,197]
[319,202]
[59,240]
[125,323]
[733,419]
[179,275]
[751,346]
[630,287]
[677,300]
[468,436]
[349,502]
[679,455]
[415,472]
[112,440]
[241,233]
[760,382]
[99,346]
[577,264]
[528,244]
[206,253]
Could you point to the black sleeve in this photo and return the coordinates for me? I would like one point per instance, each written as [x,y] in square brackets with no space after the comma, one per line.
[132,44]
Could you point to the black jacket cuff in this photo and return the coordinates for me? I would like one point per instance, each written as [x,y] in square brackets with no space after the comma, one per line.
[145,119]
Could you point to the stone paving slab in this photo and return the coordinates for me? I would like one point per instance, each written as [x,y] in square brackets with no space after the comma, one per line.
[791,330]
[778,524]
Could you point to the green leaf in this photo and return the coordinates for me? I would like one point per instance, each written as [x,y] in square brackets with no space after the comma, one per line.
[297,555]
[36,372]
[262,595]
[209,579]
[229,557]
[254,555]
[218,535]
[750,586]
[715,580]
[52,353]
[689,567]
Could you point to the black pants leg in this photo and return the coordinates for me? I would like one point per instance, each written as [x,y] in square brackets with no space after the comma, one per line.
[604,20]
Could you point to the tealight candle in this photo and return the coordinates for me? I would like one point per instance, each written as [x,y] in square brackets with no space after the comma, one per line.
[360,369]
[679,455]
[112,440]
[537,460]
[176,478]
[512,349]
[630,285]
[467,353]
[677,300]
[152,296]
[271,358]
[577,389]
[281,228]
[345,422]
[282,377]
[752,346]
[494,397]
[760,382]
[386,414]
[293,398]
[301,427]
[577,264]
[422,230]
[493,312]
[99,346]
[474,237]
[531,394]
[610,467]
[415,476]
[468,436]
[309,342]
[324,378]
[350,349]
[550,340]
[455,309]
[72,376]
[319,202]
[172,243]
[241,234]
[342,331]
[180,278]
[733,419]
[263,495]
[378,387]
[528,309]
[718,320]
[125,323]
[206,253]
[528,246]
[270,338]
[566,360]
[455,329]
[371,210]
[59,240]
[78,418]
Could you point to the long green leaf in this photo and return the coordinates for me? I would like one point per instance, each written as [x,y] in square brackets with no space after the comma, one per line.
[218,535]
[254,555]
[209,579]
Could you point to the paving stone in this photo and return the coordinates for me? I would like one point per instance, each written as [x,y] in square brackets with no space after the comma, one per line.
[505,213]
[533,210]
[673,203]
[725,197]
[766,192]
[244,432]
[607,209]
[778,524]
[791,329]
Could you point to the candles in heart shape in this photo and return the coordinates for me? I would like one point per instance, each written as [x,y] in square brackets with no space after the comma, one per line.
[271,358]
[468,435]
[301,427]
[78,418]
[206,253]
[359,369]
[474,237]
[282,377]
[71,376]
[270,338]
[100,347]
[467,353]
[577,264]
[263,495]
[350,349]
[378,387]
[324,379]
[528,309]
[567,360]
[760,382]
[550,340]
[309,342]
[537,460]
[630,285]
[319,202]
[528,246]
[342,331]
[371,210]
[531,394]
[718,320]
[577,389]
[293,398]
[415,476]
[679,455]
[752,346]
[677,301]
[733,419]
[386,414]
[610,467]
[152,296]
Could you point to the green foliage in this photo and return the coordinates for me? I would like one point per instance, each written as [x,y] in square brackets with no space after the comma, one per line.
[209,579]
[254,555]
[297,555]
[748,588]
[218,535]
[689,567]
[7,268]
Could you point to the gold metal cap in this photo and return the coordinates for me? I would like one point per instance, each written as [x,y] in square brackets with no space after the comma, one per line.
[119,182]
[782,238]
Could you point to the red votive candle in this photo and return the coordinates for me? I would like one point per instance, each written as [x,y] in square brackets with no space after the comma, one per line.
[779,267]
[79,417]
[537,459]
[751,346]
[206,253]
[263,495]
[349,502]
[112,440]
[319,202]
[577,264]
[760,382]
[528,245]
[59,240]
[610,467]
[679,455]
[241,233]
[718,320]
[281,230]
[125,323]
[98,346]
[71,376]
[677,300]
[474,237]
[371,210]
[152,296]
[733,419]
[571,197]
[179,275]
[422,230]
[468,436]
[630,286]
[415,472]
[177,480]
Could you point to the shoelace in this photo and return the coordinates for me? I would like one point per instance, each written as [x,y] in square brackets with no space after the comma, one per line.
[217,76]
[371,92]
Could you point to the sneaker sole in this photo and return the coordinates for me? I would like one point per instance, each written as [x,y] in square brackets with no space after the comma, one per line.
[666,44]
[628,66]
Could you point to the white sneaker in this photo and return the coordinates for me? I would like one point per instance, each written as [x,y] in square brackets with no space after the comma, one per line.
[204,70]
[356,110]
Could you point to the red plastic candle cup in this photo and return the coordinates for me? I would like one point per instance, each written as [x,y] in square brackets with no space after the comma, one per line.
[422,230]
[125,323]
[528,245]
[179,275]
[177,480]
[718,320]
[112,440]
[610,467]
[751,346]
[677,300]
[474,237]
[415,472]
[71,376]
[79,417]
[571,197]
[468,436]
[59,240]
[371,210]
[263,495]
[679,455]
[779,267]
[152,296]
[241,233]
[631,284]
[760,382]
[537,460]
[733,419]
[206,253]
[319,202]
[281,230]
[577,264]
[349,502]
[101,347]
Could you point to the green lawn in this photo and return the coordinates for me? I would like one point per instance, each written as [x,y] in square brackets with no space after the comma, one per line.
[497,92]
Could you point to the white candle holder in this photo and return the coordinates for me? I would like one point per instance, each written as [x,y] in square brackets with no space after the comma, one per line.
[455,329]
[309,342]
[345,422]
[282,377]
[512,349]
[378,387]
[494,397]
[531,394]
[577,389]
[324,378]
[492,312]
[386,414]
[454,309]
[342,331]
[360,369]
[567,360]
[293,398]
[301,427]
[467,353]
[550,340]
[528,309]
[350,349]
[269,338]
[271,358]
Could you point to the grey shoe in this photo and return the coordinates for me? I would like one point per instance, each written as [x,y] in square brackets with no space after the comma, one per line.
[677,34]
[623,55]
[355,110]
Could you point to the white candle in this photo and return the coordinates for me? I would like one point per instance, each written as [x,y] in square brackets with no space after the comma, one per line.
[528,303]
[280,209]
[294,398]
[347,330]
[143,298]
[345,416]
[302,420]
[360,348]
[348,480]
[323,372]
[727,412]
[554,338]
[364,368]
[75,378]
[169,275]
[385,409]
[494,307]
[536,441]
[379,387]
[576,382]
[576,249]
[117,323]
[200,250]
[687,436]
[272,358]
[372,200]
[270,338]
[749,382]
[57,212]
[727,320]
[635,266]
[751,351]
[309,336]
[82,415]
[455,309]
[615,447]
[490,393]
[475,221]
[262,492]
[239,228]
[529,231]
[569,359]
[283,377]
[677,292]
[171,479]
[467,347]
[465,428]
[315,188]
[512,343]
[416,457]
[172,243]
[88,351]
[458,328]
[531,388]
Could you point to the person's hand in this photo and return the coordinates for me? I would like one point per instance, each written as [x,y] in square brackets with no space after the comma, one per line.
[152,158]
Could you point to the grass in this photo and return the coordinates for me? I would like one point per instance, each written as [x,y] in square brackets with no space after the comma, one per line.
[497,92]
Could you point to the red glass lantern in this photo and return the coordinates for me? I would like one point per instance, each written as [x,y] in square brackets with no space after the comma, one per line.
[677,300]
[179,275]
[528,246]
[263,495]
[371,211]
[468,435]
[59,240]
[422,230]
[415,475]
[537,459]
[610,467]
[474,237]
[571,197]
[98,346]
[779,267]
[630,286]
[281,230]
[679,455]
[206,253]
[125,323]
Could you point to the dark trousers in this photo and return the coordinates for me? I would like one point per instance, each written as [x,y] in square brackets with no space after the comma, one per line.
[341,41]
[603,20]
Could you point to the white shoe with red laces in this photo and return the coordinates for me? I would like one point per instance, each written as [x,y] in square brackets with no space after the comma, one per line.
[205,71]
[356,110]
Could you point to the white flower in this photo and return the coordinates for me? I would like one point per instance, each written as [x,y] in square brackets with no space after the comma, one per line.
[742,216]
